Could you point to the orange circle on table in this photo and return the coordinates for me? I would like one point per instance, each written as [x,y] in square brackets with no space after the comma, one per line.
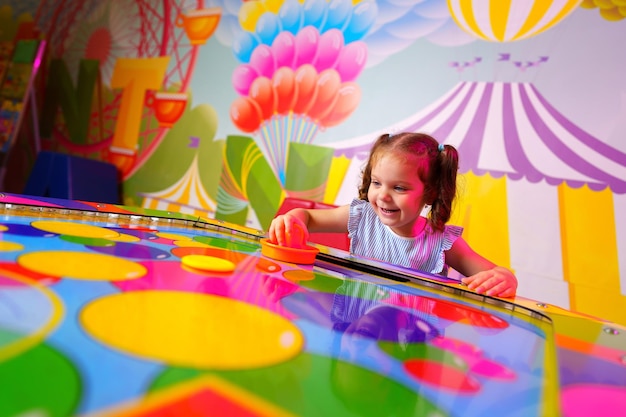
[267,265]
[208,263]
[299,275]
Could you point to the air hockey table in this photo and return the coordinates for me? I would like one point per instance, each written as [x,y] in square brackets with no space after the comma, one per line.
[101,315]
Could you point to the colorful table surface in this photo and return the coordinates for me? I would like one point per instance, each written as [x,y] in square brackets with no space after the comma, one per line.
[102,312]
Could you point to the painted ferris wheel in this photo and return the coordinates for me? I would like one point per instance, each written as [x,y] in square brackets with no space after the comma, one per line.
[107,31]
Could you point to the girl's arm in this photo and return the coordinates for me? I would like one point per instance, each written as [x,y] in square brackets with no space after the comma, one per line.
[481,275]
[301,222]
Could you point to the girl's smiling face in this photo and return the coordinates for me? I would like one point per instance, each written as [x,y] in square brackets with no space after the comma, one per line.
[397,194]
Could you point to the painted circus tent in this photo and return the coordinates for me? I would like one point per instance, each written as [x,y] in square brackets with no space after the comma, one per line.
[186,195]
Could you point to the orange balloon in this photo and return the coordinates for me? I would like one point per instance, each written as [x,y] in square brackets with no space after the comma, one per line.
[348,97]
[328,84]
[262,92]
[285,89]
[306,88]
[246,114]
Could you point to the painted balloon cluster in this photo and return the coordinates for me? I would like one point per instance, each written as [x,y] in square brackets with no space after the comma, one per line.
[612,10]
[308,74]
[299,63]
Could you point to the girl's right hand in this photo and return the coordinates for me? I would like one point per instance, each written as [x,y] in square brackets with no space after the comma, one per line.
[288,230]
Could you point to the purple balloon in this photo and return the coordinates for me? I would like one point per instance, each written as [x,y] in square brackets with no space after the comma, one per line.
[284,49]
[352,60]
[307,41]
[243,77]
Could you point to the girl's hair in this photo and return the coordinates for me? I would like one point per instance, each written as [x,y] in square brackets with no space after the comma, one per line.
[436,166]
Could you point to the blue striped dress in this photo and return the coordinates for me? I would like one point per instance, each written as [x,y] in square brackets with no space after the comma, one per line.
[370,238]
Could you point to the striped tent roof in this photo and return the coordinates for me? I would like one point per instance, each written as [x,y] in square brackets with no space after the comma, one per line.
[187,195]
[511,129]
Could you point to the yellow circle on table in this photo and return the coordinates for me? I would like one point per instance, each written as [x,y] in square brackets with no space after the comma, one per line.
[172,236]
[124,238]
[10,246]
[75,229]
[190,244]
[82,265]
[3,228]
[205,331]
[208,263]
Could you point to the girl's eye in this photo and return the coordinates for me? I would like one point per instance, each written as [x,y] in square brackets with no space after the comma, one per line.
[399,189]
[374,182]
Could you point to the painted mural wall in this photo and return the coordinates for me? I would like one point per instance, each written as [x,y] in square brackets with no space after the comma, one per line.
[224,108]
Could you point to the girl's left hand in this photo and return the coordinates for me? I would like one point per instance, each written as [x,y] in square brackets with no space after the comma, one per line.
[498,281]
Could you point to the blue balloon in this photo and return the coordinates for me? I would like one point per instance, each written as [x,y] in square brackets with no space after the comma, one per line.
[243,45]
[315,13]
[363,17]
[267,27]
[291,16]
[338,15]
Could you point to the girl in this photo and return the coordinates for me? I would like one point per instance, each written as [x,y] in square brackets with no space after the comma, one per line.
[404,174]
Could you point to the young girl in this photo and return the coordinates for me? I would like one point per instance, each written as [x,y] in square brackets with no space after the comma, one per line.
[405,173]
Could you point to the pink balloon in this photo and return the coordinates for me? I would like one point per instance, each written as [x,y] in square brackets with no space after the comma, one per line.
[284,82]
[284,49]
[306,45]
[351,61]
[243,77]
[262,60]
[329,47]
[328,84]
[306,88]
[348,98]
